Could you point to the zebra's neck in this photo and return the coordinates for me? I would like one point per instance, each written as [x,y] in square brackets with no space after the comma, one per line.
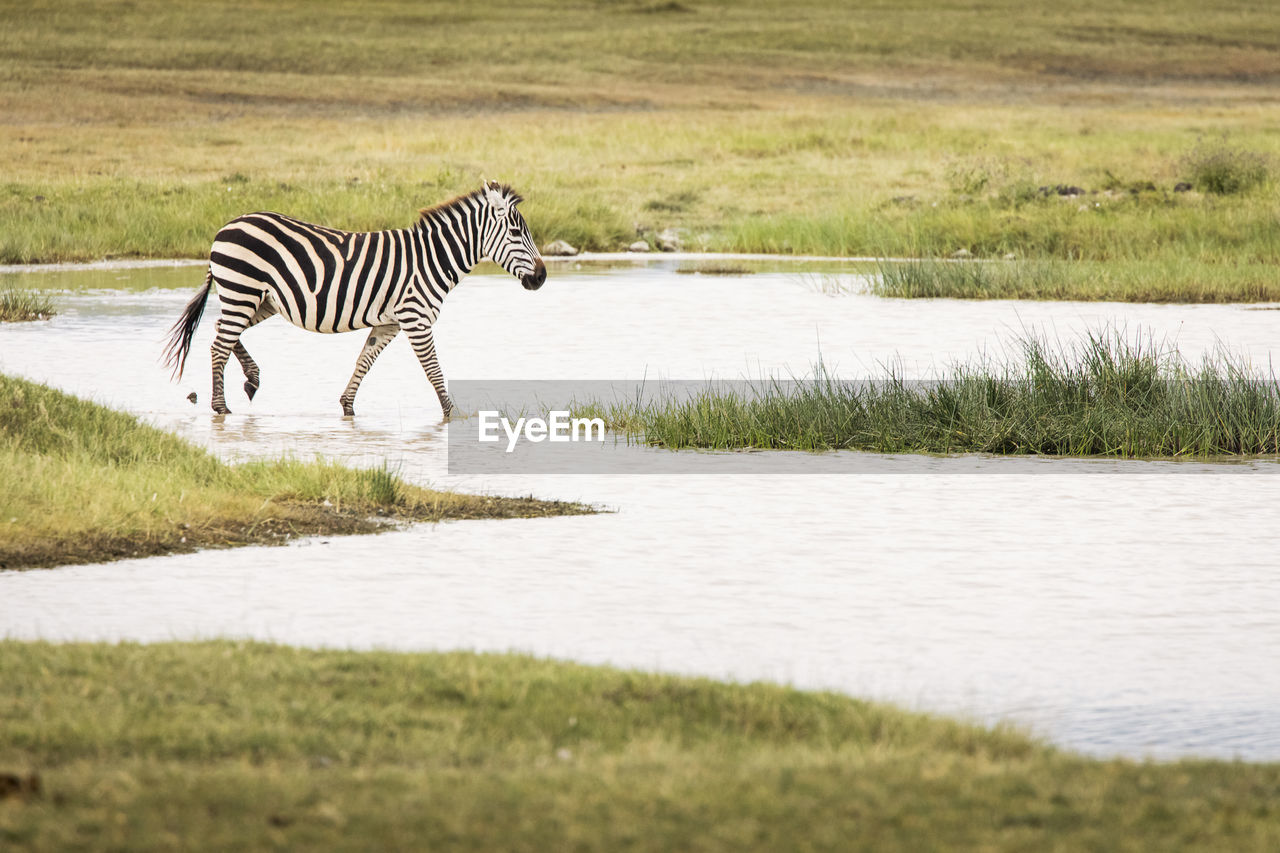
[448,241]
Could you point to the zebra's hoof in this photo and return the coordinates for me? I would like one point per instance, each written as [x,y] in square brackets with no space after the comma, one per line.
[251,388]
[221,410]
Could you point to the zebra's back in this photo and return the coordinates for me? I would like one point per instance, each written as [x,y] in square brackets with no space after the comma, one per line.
[322,279]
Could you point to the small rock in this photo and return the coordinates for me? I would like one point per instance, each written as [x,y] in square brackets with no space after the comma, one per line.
[1182,187]
[668,241]
[559,249]
[638,246]
[961,254]
[1063,189]
[191,398]
[13,785]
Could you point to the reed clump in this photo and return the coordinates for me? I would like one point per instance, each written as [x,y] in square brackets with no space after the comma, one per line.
[20,305]
[1108,396]
[1162,281]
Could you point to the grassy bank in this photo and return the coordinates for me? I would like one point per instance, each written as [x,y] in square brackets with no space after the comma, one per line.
[911,129]
[84,483]
[1107,396]
[235,746]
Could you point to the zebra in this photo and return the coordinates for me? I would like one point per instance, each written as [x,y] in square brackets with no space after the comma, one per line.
[326,280]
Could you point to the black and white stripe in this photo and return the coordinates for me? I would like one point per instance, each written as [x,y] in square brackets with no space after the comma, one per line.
[327,280]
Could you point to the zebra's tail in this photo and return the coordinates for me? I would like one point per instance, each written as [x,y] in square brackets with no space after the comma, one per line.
[175,355]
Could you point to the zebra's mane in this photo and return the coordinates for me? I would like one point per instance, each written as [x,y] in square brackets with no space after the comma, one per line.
[505,189]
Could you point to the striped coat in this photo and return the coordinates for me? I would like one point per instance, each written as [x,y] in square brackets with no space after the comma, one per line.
[327,280]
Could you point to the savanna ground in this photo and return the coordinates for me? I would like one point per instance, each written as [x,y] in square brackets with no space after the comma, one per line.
[135,129]
[911,128]
[243,746]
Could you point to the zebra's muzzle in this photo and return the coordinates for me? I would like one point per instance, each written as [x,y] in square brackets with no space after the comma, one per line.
[534,280]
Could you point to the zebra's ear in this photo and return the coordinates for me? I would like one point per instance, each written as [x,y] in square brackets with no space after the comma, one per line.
[493,195]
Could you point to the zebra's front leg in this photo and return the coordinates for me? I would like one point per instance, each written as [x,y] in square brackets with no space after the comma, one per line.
[379,337]
[424,346]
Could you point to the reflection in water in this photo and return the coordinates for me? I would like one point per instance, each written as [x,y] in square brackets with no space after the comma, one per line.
[1116,607]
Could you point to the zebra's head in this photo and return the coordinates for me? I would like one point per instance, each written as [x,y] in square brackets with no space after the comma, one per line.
[505,236]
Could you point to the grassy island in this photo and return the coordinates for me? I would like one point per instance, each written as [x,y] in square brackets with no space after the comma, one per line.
[18,305]
[1107,396]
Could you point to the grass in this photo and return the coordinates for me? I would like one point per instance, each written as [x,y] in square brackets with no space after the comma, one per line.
[1224,170]
[1106,397]
[20,304]
[1119,281]
[908,129]
[249,746]
[84,483]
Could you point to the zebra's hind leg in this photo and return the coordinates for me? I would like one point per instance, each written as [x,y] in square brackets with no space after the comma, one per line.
[219,352]
[250,368]
[379,337]
[239,307]
[247,364]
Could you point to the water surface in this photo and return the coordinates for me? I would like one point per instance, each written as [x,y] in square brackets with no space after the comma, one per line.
[1114,607]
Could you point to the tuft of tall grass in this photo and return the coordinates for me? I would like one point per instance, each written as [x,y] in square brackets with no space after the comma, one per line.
[1223,169]
[928,278]
[19,305]
[1106,396]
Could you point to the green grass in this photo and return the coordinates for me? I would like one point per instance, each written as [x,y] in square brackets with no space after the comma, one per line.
[1223,170]
[248,746]
[20,304]
[86,483]
[1108,396]
[887,130]
[1120,281]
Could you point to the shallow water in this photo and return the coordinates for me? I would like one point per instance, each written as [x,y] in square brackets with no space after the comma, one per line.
[1116,608]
